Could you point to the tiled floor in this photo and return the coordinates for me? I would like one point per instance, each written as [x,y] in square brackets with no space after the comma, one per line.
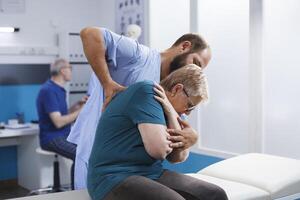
[12,192]
[10,189]
[18,191]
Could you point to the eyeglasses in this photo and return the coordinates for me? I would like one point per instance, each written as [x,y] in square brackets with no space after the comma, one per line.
[190,106]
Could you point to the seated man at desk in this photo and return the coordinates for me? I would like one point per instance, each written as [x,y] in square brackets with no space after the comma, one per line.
[132,140]
[54,117]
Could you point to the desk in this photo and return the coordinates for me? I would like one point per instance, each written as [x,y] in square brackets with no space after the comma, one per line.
[10,137]
[34,171]
[32,129]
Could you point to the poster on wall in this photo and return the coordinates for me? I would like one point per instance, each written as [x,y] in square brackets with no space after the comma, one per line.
[130,12]
[12,6]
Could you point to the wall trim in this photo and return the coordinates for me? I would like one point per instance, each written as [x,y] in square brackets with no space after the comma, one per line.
[29,50]
[214,152]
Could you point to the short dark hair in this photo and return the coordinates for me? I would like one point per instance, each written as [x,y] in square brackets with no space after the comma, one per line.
[198,43]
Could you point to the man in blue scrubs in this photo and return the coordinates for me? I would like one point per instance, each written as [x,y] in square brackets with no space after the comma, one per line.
[118,62]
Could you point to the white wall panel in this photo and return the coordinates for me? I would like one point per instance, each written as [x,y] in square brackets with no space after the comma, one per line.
[282,77]
[168,20]
[224,121]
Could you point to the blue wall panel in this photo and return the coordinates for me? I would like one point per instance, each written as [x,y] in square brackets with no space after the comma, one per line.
[194,163]
[18,98]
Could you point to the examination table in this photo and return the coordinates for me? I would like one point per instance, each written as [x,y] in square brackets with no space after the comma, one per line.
[245,177]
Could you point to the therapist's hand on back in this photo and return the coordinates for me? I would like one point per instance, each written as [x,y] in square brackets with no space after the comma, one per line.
[182,139]
[110,90]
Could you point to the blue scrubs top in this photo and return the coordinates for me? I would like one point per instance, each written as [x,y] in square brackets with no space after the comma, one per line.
[51,98]
[128,62]
[118,151]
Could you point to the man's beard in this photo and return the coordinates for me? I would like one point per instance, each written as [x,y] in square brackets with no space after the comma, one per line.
[178,62]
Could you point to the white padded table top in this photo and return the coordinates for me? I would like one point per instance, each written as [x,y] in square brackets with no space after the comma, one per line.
[234,190]
[277,175]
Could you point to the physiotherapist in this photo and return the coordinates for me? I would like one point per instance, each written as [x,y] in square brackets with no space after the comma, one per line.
[118,62]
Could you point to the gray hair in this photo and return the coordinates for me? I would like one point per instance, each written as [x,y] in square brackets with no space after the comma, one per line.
[192,78]
[57,65]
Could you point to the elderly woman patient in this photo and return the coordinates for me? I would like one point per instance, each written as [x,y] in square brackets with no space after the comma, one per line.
[137,132]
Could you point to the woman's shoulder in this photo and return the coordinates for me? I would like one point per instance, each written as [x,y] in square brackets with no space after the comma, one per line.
[140,89]
[146,84]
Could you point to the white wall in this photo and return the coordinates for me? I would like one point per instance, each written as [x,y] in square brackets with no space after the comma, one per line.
[282,77]
[42,20]
[168,20]
[224,121]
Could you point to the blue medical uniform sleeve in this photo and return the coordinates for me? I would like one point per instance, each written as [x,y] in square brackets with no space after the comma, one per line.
[50,103]
[143,108]
[120,50]
[92,83]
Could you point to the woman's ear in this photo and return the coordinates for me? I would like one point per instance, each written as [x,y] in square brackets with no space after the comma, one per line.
[176,89]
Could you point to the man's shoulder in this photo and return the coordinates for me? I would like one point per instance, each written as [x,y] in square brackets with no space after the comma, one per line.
[45,87]
[49,88]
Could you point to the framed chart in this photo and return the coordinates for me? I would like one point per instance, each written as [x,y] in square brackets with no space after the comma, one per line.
[130,12]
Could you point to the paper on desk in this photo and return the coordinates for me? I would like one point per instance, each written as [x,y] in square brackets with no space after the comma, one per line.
[17,126]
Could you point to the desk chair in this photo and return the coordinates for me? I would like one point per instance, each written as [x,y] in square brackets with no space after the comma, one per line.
[56,178]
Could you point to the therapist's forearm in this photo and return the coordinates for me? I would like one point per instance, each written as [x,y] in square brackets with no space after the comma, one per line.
[94,49]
